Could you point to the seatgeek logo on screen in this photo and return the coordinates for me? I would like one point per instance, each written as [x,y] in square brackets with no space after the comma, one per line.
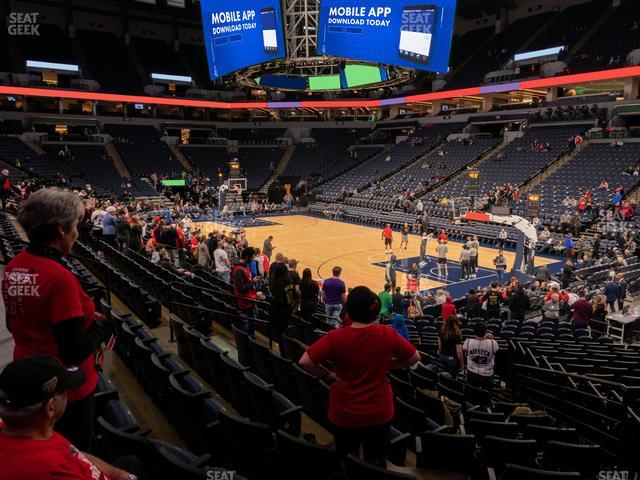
[239,34]
[408,33]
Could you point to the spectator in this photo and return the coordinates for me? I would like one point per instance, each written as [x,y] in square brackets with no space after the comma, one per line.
[582,311]
[109,226]
[135,234]
[492,301]
[281,307]
[244,288]
[399,325]
[481,354]
[34,393]
[622,290]
[400,303]
[474,305]
[294,276]
[267,247]
[448,308]
[5,188]
[122,230]
[334,293]
[568,274]
[502,238]
[386,303]
[221,261]
[361,400]
[612,292]
[204,257]
[551,308]
[47,311]
[450,346]
[308,294]
[519,304]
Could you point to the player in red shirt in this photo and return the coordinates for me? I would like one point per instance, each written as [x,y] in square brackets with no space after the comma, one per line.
[442,236]
[33,397]
[361,399]
[387,236]
[47,310]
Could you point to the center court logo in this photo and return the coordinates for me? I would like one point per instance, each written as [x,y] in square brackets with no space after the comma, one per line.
[23,24]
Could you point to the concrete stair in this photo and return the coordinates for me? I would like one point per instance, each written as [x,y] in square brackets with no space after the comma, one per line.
[180,156]
[282,164]
[115,157]
[530,184]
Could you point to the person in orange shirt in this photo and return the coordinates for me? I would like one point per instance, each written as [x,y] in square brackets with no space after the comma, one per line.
[387,236]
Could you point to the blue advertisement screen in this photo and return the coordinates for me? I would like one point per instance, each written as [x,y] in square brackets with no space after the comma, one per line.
[408,33]
[241,34]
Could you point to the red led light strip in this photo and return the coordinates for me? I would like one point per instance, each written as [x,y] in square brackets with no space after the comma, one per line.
[618,73]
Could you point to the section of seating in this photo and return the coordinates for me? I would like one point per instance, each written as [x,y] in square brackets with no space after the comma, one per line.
[142,150]
[257,162]
[103,51]
[327,156]
[157,57]
[610,44]
[517,162]
[51,45]
[498,51]
[424,173]
[208,160]
[252,136]
[587,170]
[569,25]
[92,165]
[388,161]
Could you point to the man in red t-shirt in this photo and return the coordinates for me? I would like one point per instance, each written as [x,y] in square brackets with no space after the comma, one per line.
[387,236]
[361,399]
[33,397]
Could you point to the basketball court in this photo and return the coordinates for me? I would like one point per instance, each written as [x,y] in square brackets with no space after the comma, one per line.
[321,244]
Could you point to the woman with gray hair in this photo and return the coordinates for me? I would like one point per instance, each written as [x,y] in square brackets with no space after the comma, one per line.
[48,312]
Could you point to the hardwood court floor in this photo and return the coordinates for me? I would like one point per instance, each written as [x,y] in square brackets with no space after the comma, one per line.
[321,244]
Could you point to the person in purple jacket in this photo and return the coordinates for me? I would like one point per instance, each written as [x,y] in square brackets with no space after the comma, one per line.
[334,293]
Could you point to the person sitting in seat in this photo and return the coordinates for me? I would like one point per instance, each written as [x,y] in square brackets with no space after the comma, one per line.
[33,397]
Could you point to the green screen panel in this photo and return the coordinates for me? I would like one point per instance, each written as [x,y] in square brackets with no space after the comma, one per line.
[325,82]
[174,183]
[357,75]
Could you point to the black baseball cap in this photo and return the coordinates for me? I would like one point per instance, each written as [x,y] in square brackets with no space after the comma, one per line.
[36,379]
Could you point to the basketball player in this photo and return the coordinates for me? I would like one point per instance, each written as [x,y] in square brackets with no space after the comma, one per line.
[387,237]
[404,239]
[441,252]
[424,238]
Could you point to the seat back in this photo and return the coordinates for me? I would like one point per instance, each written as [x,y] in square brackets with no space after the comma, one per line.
[573,457]
[518,472]
[500,451]
[249,446]
[298,459]
[360,470]
[444,451]
[245,355]
[482,428]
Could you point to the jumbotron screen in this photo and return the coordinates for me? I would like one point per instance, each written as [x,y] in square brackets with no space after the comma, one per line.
[407,33]
[241,34]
